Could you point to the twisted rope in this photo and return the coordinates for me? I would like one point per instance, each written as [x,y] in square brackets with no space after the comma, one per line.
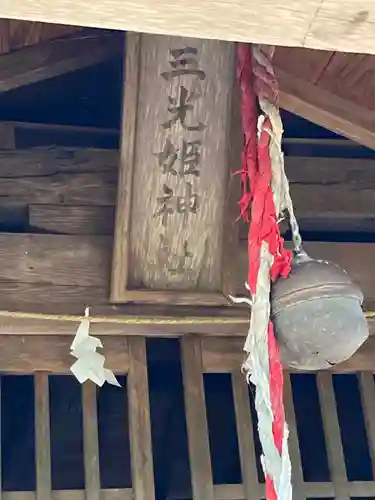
[125,320]
[265,186]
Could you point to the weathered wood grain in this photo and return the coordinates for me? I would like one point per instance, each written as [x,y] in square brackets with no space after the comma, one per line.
[43,353]
[245,436]
[50,353]
[203,231]
[332,434]
[173,190]
[336,193]
[196,419]
[326,109]
[43,262]
[140,421]
[306,64]
[56,57]
[42,437]
[55,260]
[17,34]
[96,188]
[33,135]
[120,259]
[71,220]
[226,355]
[22,296]
[48,161]
[90,440]
[332,194]
[110,494]
[325,24]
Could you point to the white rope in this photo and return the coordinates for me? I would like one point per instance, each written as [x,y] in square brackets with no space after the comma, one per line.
[280,183]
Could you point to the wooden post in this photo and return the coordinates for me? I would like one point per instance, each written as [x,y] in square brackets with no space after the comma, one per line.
[140,422]
[176,212]
[42,437]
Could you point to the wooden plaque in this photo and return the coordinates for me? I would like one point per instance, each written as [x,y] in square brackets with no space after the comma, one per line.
[176,213]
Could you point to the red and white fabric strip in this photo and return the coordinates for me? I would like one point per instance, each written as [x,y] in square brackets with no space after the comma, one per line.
[267,261]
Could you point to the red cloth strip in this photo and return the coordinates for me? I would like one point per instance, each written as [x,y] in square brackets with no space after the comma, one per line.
[256,177]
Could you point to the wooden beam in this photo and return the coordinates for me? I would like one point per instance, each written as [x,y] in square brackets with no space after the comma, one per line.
[25,135]
[28,354]
[50,353]
[56,189]
[331,194]
[326,109]
[49,161]
[56,57]
[323,24]
[73,272]
[226,355]
[72,220]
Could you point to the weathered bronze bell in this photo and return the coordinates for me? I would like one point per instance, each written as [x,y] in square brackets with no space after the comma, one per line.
[317,315]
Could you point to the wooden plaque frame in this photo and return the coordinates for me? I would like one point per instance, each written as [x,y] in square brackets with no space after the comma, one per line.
[120,290]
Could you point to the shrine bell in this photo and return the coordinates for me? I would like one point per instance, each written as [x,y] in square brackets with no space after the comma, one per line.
[317,315]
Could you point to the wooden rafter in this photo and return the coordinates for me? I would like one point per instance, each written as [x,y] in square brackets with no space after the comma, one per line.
[326,109]
[324,24]
[57,57]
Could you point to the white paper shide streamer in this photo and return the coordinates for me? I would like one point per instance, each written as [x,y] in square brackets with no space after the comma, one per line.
[90,363]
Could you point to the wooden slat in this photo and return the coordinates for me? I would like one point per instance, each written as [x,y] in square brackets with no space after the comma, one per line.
[55,259]
[90,441]
[95,188]
[29,354]
[294,447]
[42,437]
[331,194]
[332,434]
[367,390]
[245,436]
[45,161]
[196,420]
[140,421]
[56,57]
[23,296]
[72,220]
